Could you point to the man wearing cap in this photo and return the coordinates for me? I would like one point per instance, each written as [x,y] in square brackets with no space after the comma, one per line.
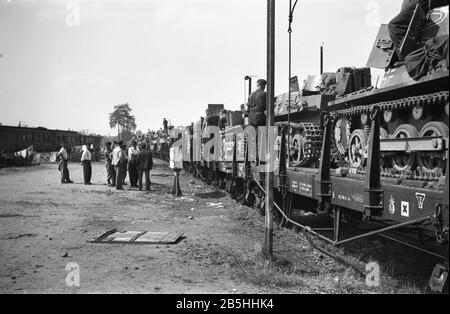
[86,163]
[118,158]
[222,119]
[63,158]
[257,105]
[133,153]
[109,167]
[144,165]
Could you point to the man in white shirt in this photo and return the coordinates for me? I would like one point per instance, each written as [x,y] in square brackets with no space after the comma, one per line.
[86,158]
[118,158]
[133,153]
[63,158]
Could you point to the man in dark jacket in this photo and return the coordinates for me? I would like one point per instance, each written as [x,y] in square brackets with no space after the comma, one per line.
[110,177]
[257,105]
[144,165]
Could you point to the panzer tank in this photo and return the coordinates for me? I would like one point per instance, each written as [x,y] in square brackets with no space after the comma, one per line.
[307,108]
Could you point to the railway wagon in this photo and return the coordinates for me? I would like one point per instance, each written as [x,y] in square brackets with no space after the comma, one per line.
[13,139]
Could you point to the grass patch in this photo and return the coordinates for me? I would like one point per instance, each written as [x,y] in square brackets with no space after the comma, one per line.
[254,268]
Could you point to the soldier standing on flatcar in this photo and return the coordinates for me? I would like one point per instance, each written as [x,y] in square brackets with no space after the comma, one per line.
[63,159]
[222,119]
[257,106]
[86,158]
[133,153]
[109,167]
[165,123]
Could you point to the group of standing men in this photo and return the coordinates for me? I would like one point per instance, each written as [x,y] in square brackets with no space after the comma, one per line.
[86,158]
[138,161]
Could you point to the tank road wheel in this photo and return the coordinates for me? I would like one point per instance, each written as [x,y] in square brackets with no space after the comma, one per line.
[433,161]
[297,148]
[417,112]
[403,161]
[388,115]
[357,148]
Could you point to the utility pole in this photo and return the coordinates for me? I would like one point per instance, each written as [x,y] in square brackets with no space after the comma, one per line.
[268,239]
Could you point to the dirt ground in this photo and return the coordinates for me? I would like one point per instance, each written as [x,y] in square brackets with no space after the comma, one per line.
[44,225]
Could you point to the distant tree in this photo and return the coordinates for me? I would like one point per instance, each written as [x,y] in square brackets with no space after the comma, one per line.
[125,135]
[122,119]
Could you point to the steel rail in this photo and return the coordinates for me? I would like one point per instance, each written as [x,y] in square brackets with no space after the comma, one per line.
[412,246]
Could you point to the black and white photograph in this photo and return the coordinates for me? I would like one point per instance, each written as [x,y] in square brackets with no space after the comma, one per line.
[224,154]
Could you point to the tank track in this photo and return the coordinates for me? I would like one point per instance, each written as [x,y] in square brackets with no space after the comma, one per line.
[313,136]
[409,102]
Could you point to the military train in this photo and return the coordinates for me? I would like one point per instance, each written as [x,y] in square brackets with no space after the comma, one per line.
[355,151]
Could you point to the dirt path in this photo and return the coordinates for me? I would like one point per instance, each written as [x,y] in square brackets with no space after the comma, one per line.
[45,225]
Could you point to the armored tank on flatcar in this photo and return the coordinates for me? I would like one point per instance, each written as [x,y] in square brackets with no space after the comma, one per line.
[412,101]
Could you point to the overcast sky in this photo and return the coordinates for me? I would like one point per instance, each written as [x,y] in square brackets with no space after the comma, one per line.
[65,64]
